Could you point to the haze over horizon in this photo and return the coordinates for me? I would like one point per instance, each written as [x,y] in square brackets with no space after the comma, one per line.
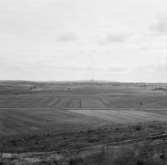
[56,40]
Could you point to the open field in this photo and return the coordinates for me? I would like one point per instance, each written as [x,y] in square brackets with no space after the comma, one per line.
[27,120]
[26,107]
[122,116]
[84,96]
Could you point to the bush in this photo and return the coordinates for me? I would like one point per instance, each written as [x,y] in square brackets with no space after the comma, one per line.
[76,161]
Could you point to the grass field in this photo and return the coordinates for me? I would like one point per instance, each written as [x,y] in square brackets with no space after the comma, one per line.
[64,107]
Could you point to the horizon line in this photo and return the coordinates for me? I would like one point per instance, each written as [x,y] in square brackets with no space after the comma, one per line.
[87,80]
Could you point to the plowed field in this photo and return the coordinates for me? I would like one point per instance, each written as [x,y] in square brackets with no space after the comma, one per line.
[65,107]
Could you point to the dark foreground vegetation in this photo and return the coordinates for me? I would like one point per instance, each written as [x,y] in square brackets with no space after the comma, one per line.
[150,150]
[67,141]
[147,153]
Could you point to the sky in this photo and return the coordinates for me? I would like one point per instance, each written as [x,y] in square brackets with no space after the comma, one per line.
[57,40]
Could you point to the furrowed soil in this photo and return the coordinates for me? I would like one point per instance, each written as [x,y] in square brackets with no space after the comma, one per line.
[39,107]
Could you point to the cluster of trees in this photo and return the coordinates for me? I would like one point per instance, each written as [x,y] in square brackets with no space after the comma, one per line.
[160,88]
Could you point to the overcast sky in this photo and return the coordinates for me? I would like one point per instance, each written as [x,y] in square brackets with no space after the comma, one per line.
[117,40]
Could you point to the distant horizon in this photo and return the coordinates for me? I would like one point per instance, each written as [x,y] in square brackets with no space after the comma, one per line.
[107,81]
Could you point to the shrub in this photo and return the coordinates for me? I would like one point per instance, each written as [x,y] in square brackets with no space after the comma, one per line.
[76,161]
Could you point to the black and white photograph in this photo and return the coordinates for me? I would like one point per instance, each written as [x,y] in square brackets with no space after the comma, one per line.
[83,82]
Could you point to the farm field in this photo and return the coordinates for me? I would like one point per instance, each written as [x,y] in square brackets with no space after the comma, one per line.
[30,120]
[25,108]
[123,100]
[122,116]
